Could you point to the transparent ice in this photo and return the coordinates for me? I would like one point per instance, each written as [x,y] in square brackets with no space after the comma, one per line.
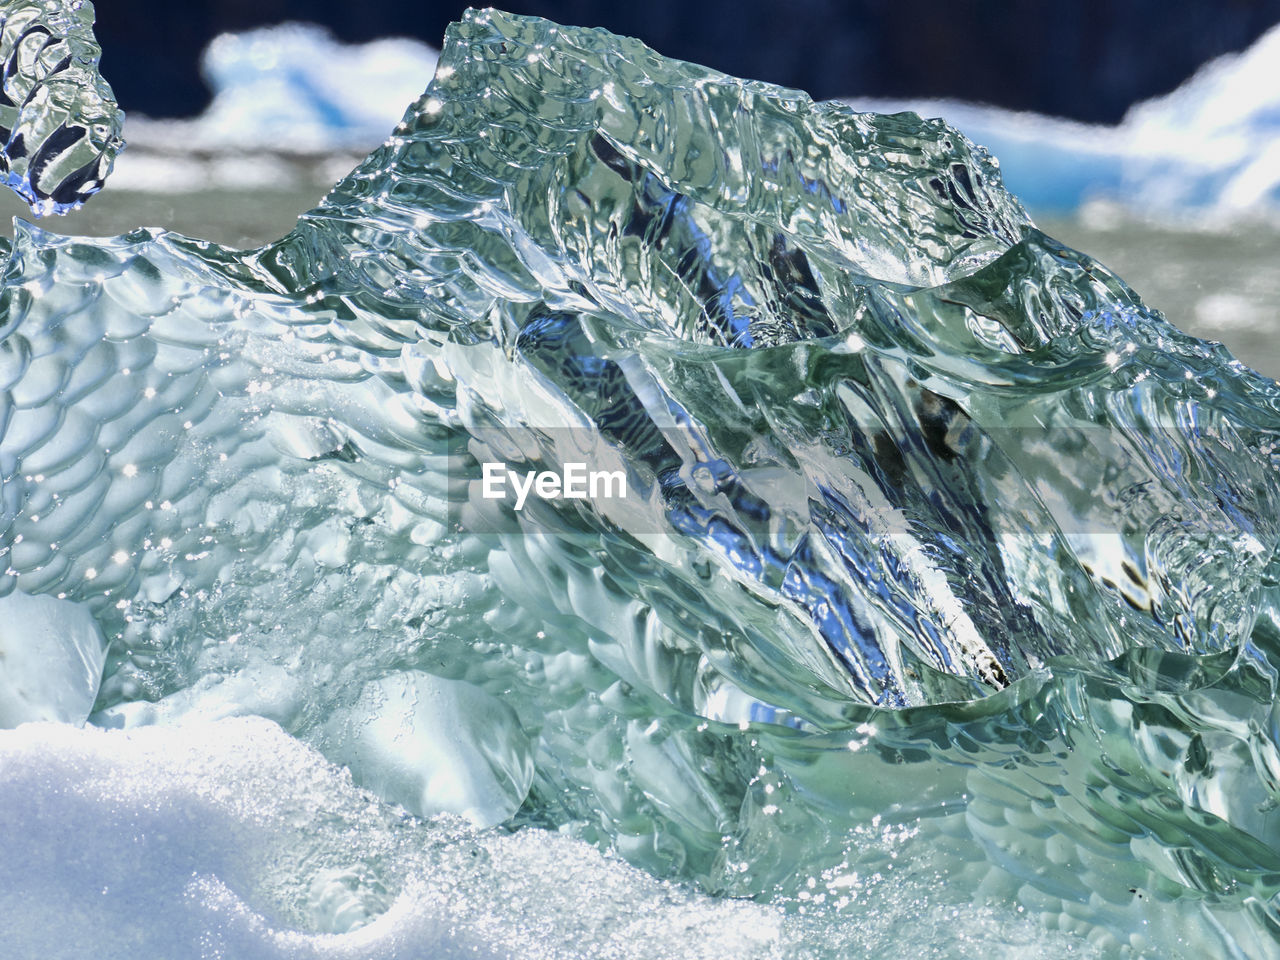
[59,124]
[934,531]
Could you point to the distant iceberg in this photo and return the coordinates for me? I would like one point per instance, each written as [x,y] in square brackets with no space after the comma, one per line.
[294,87]
[1210,149]
[302,105]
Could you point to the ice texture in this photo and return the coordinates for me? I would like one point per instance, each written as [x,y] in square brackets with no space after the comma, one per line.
[423,742]
[932,529]
[59,124]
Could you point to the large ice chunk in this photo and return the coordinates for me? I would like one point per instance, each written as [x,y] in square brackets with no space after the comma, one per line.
[930,523]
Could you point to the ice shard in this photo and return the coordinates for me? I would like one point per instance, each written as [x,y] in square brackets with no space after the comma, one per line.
[60,126]
[926,520]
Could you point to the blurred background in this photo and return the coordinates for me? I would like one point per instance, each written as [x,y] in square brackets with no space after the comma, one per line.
[1087,59]
[1143,132]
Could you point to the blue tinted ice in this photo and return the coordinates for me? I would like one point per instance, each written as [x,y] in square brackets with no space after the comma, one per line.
[931,527]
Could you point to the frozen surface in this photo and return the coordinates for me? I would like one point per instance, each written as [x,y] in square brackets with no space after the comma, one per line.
[940,597]
[231,839]
[1209,149]
[415,738]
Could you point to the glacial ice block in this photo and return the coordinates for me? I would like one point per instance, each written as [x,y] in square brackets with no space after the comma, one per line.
[51,658]
[885,442]
[928,518]
[59,123]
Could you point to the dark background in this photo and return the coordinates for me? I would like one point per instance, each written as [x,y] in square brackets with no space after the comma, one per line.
[1087,59]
